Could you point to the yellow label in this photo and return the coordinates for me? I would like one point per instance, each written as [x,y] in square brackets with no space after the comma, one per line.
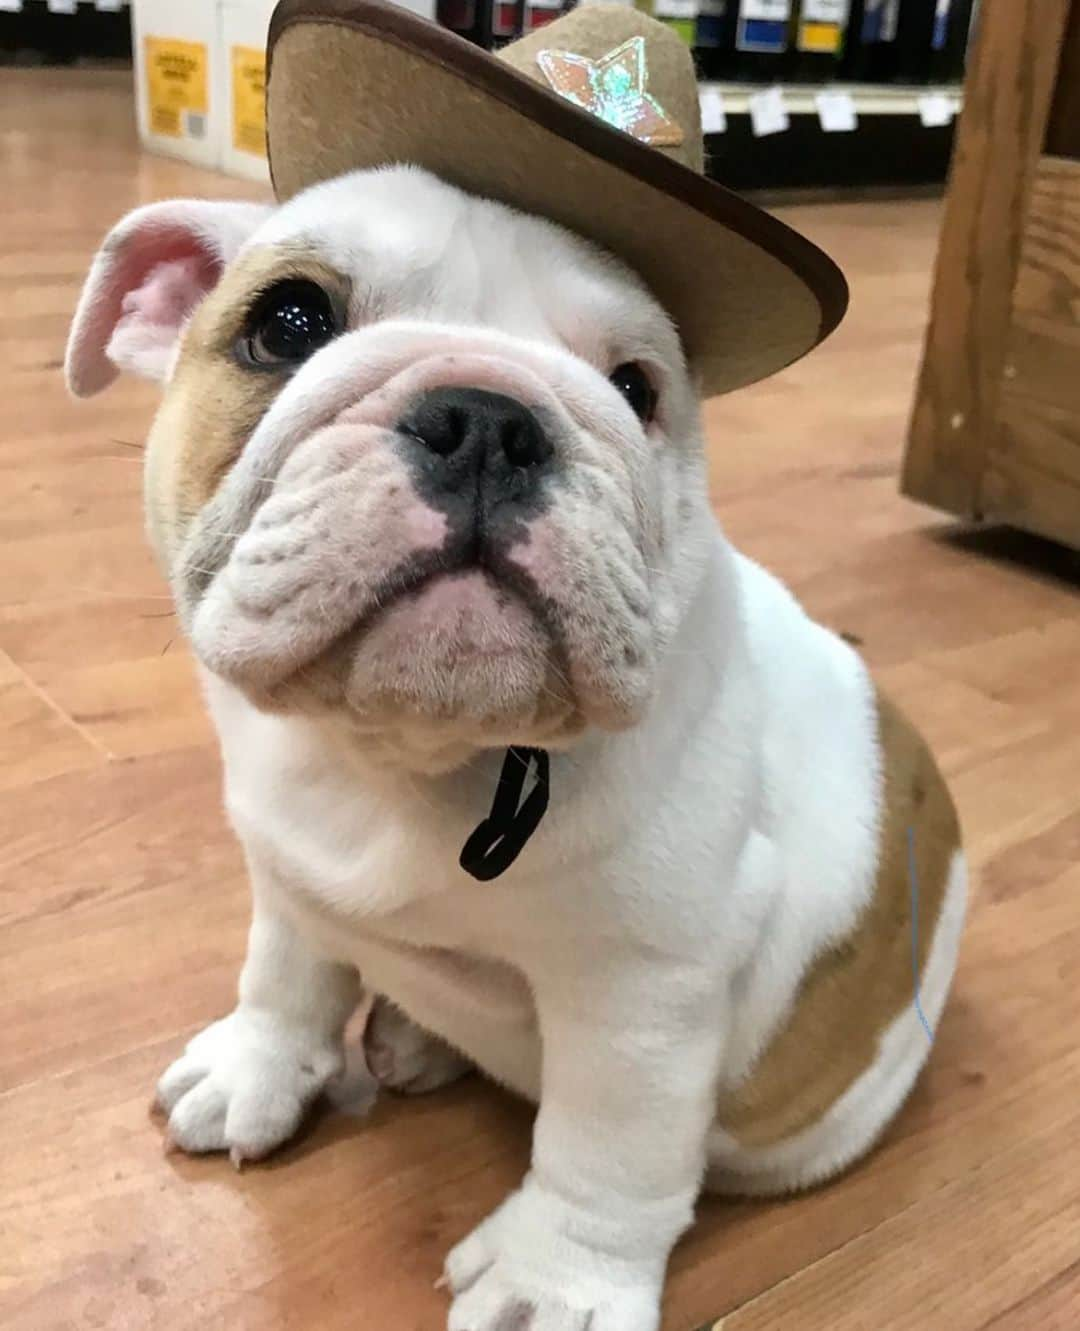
[249,100]
[176,87]
[820,37]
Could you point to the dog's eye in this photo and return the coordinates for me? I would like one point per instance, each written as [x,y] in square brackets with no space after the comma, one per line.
[288,323]
[633,383]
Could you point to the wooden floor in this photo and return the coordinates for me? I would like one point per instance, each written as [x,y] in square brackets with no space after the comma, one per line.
[124,907]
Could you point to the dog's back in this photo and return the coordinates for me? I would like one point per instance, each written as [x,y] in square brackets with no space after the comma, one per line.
[863,939]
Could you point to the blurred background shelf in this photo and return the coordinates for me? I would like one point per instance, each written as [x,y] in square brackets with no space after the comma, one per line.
[869,90]
[890,149]
[870,99]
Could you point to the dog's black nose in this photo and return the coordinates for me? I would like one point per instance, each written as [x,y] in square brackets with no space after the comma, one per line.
[481,430]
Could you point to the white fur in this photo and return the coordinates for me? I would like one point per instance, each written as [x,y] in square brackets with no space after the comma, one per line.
[713,823]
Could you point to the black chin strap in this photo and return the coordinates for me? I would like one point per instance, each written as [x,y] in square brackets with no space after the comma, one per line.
[501,837]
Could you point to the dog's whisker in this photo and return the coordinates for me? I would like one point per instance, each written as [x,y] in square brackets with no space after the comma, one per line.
[413,784]
[112,594]
[557,672]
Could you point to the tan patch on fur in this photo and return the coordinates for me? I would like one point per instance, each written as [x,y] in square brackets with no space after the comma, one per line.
[214,402]
[857,987]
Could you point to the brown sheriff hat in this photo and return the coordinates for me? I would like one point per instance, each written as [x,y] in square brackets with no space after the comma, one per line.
[592,121]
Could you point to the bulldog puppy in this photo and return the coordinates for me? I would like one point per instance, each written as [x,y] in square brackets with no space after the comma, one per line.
[428,482]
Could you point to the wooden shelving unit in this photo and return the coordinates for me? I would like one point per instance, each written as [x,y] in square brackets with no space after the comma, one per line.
[995,433]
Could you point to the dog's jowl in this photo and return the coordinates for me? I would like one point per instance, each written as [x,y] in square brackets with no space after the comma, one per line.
[428,482]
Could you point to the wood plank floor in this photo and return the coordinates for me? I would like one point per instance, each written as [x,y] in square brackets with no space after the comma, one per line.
[123,906]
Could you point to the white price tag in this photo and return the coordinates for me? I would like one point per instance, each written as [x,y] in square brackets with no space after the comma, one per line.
[768,113]
[936,109]
[109,6]
[675,8]
[825,11]
[10,6]
[713,115]
[836,111]
[61,6]
[776,10]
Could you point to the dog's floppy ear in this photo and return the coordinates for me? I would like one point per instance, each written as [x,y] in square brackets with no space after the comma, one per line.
[152,270]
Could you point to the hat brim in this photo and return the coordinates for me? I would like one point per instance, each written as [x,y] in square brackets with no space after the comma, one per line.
[363,83]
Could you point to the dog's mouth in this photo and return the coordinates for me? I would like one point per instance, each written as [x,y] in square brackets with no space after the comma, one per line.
[442,581]
[468,608]
[458,636]
[451,638]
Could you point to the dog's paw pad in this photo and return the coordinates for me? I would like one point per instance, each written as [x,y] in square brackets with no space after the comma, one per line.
[504,1299]
[491,1308]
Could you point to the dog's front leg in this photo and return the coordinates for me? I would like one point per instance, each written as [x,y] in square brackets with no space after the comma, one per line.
[243,1084]
[630,1063]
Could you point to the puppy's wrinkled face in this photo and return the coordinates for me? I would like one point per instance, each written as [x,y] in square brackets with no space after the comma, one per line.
[423,462]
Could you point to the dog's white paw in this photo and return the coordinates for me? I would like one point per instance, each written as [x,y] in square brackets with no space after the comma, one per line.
[242,1086]
[512,1275]
[405,1058]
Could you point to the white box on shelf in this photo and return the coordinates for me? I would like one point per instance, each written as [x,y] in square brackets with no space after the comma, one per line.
[241,69]
[176,56]
[200,76]
[242,74]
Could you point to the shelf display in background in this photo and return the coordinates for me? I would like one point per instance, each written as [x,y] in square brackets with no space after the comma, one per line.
[679,15]
[870,53]
[507,21]
[820,30]
[540,12]
[493,23]
[762,37]
[31,33]
[949,43]
[919,20]
[907,41]
[817,40]
[714,38]
[470,19]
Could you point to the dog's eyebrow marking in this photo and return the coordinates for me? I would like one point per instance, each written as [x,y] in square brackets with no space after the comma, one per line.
[215,404]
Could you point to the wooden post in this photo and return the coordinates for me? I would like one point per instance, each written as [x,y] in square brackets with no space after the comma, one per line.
[999,142]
